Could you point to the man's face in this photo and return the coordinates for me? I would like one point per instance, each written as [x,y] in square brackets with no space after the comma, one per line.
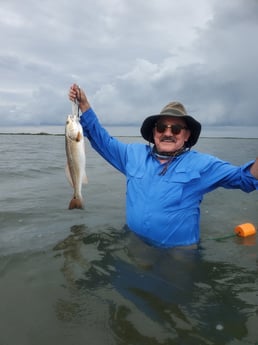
[164,139]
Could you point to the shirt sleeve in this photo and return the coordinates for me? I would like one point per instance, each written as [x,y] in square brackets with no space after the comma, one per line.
[219,173]
[249,181]
[111,149]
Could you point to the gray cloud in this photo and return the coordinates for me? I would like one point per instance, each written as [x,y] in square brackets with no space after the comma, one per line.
[132,57]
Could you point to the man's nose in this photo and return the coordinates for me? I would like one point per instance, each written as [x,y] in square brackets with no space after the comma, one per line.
[167,131]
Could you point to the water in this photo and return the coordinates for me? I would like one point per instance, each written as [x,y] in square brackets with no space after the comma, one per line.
[77,277]
[207,131]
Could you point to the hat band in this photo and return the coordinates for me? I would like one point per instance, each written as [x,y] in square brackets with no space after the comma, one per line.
[172,112]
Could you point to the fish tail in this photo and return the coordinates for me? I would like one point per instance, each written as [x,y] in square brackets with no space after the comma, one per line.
[76,203]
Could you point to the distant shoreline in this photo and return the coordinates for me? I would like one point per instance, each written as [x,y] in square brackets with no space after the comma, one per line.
[226,132]
[24,133]
[123,136]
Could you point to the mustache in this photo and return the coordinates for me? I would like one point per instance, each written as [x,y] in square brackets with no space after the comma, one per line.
[168,137]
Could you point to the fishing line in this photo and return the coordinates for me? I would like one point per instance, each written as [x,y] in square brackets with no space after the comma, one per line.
[220,238]
[78,99]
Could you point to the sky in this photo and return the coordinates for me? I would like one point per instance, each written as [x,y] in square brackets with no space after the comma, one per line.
[131,57]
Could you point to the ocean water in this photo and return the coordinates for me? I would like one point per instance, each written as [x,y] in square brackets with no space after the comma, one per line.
[134,131]
[78,277]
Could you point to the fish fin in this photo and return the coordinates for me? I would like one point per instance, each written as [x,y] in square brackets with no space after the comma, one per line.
[85,179]
[68,175]
[76,203]
[79,137]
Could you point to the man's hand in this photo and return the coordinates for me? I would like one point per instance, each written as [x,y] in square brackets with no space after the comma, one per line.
[77,94]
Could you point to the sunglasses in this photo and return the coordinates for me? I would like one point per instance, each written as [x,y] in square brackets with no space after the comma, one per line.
[175,129]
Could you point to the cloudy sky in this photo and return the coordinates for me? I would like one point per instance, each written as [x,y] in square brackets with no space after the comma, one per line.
[131,56]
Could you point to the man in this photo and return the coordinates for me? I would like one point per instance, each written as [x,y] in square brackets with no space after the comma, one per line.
[165,182]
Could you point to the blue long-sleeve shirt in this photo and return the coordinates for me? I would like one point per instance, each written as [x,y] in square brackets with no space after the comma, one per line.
[165,209]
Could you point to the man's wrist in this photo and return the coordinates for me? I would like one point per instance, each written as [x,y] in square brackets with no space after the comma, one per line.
[84,107]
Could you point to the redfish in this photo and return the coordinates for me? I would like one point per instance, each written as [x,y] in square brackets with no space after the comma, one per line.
[76,159]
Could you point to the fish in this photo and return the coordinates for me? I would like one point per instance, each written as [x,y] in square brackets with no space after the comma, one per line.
[76,159]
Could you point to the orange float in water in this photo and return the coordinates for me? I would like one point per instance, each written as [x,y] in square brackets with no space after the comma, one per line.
[246,229]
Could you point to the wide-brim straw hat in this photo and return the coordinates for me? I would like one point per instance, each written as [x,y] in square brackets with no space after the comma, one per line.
[173,109]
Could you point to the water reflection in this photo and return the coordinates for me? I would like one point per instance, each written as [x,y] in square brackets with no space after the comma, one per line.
[151,296]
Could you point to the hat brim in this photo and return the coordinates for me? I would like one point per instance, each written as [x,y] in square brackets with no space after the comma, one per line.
[193,125]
